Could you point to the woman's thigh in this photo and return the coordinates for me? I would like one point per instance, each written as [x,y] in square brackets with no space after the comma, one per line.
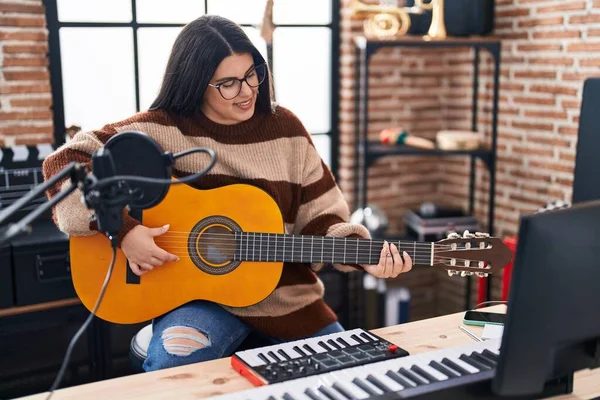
[195,332]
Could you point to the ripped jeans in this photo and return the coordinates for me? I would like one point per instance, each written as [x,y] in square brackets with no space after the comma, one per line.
[202,331]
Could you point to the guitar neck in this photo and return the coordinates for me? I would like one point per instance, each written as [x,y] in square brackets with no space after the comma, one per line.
[269,247]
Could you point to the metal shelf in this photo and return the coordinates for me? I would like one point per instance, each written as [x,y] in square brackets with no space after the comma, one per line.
[377,150]
[367,152]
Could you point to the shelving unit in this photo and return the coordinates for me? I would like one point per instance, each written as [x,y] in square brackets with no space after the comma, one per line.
[367,152]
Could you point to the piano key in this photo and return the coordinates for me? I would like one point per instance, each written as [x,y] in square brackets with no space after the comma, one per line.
[357,339]
[365,387]
[311,350]
[323,345]
[367,337]
[311,393]
[492,356]
[251,359]
[473,362]
[329,393]
[411,376]
[274,356]
[456,367]
[378,384]
[287,396]
[264,358]
[341,388]
[421,372]
[455,356]
[399,379]
[335,344]
[422,361]
[444,370]
[343,342]
[299,351]
[284,354]
[380,374]
[485,361]
[345,381]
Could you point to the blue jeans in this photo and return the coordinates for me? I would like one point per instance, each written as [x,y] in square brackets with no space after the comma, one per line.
[222,334]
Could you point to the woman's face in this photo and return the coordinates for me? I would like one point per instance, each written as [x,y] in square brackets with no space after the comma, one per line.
[227,110]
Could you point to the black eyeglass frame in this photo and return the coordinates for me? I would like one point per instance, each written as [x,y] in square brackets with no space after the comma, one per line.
[241,81]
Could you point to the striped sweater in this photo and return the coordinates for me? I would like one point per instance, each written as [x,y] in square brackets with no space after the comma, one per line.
[271,151]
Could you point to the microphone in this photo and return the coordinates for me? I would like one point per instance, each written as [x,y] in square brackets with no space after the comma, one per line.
[130,170]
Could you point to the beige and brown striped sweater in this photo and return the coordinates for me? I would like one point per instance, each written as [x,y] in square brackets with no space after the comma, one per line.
[271,151]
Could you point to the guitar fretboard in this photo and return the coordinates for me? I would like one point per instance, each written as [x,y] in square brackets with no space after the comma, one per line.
[269,247]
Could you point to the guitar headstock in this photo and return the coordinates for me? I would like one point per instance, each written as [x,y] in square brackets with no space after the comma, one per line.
[471,254]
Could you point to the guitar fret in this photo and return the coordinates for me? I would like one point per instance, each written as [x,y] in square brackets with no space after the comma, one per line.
[311,247]
[236,245]
[253,245]
[357,244]
[301,247]
[283,255]
[345,250]
[332,249]
[292,247]
[260,248]
[268,247]
[322,247]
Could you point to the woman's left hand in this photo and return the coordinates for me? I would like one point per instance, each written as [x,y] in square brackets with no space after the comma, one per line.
[390,263]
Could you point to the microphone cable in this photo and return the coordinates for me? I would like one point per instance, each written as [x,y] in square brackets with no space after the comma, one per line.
[96,185]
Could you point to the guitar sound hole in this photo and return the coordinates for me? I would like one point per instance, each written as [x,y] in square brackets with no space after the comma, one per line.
[212,245]
[216,245]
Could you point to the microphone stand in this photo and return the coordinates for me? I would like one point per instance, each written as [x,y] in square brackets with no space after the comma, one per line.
[76,171]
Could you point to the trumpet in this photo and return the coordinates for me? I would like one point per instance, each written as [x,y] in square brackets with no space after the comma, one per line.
[390,21]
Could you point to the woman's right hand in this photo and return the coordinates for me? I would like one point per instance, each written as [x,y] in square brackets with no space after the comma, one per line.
[141,251]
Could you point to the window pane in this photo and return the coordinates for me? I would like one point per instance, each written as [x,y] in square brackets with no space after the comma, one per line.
[94,10]
[257,40]
[323,145]
[302,74]
[154,47]
[304,12]
[168,12]
[239,11]
[98,75]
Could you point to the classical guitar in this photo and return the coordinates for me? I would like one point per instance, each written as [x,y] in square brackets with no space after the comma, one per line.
[232,246]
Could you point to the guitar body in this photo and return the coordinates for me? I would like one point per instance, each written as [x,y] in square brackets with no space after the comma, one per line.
[203,225]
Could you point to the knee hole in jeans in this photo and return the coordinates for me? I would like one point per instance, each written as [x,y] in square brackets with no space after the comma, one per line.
[183,341]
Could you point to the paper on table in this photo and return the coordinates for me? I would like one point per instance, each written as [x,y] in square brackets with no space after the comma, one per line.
[492,331]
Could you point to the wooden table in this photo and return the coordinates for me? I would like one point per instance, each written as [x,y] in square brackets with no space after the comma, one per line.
[212,378]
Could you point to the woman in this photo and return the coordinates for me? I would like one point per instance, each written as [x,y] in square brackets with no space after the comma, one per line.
[217,93]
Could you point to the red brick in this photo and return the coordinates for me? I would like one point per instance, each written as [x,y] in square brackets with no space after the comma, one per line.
[534,74]
[513,12]
[567,130]
[21,8]
[25,62]
[23,21]
[24,35]
[564,61]
[32,102]
[534,100]
[565,6]
[571,104]
[561,34]
[587,46]
[26,75]
[590,62]
[29,140]
[23,88]
[24,115]
[532,126]
[20,130]
[550,166]
[26,48]
[584,19]
[553,89]
[527,47]
[547,21]
[525,151]
[546,114]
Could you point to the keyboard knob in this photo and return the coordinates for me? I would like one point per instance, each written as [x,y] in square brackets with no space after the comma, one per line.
[393,348]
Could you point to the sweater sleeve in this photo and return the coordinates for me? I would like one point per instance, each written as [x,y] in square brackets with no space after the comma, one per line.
[323,210]
[71,215]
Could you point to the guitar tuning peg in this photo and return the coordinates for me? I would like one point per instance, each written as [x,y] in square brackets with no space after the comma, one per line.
[465,273]
[468,235]
[453,235]
[482,234]
[482,274]
[452,272]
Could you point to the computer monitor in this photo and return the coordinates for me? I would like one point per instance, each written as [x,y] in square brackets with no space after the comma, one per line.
[553,316]
[586,180]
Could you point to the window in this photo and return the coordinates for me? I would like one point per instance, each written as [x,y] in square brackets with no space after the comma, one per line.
[107,57]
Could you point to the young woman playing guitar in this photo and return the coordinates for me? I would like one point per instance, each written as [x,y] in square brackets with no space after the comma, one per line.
[217,93]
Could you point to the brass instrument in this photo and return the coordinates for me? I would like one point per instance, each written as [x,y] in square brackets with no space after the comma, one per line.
[390,21]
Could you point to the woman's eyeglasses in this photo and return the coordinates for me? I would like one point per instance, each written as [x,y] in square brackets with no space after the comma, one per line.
[231,88]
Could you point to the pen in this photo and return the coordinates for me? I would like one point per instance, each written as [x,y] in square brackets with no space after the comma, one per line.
[468,332]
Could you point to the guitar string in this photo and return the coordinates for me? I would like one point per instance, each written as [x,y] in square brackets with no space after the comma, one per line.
[363,242]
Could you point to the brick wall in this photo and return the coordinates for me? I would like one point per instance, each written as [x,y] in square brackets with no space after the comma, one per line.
[549,47]
[25,96]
